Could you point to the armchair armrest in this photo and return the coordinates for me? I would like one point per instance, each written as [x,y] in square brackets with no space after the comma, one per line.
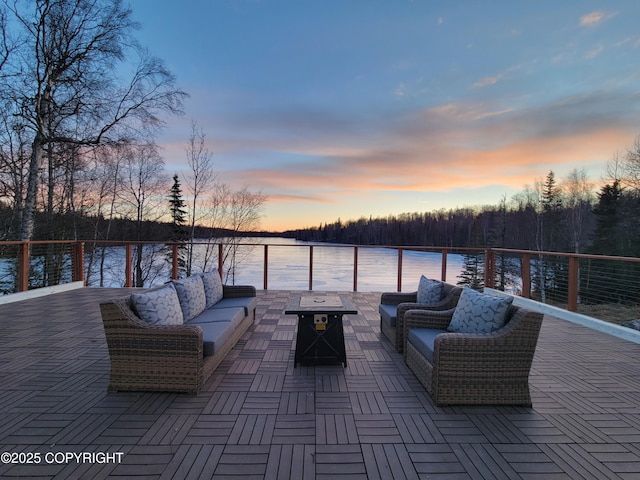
[451,297]
[236,291]
[438,319]
[396,298]
[404,307]
[434,319]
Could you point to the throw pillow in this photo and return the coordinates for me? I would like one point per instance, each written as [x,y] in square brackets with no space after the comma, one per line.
[159,306]
[479,313]
[212,287]
[429,291]
[191,296]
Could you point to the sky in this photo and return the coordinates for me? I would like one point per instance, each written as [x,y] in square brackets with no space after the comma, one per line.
[343,109]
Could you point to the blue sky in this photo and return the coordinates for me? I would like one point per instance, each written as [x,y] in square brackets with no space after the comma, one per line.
[357,108]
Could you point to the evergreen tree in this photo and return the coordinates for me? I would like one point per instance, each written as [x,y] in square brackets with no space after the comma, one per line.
[178,222]
[472,271]
[551,273]
[615,234]
[552,237]
[473,263]
[607,212]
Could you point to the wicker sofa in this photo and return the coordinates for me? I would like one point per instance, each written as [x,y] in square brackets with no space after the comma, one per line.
[466,368]
[174,355]
[394,305]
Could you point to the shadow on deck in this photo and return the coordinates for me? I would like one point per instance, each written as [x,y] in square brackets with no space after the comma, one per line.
[259,417]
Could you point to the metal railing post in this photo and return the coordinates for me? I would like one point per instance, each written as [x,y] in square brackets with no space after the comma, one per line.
[526,275]
[266,263]
[399,269]
[489,268]
[355,268]
[443,268]
[128,266]
[22,282]
[572,294]
[310,267]
[77,261]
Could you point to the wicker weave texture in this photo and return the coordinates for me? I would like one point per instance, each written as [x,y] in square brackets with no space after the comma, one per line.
[406,302]
[148,357]
[487,369]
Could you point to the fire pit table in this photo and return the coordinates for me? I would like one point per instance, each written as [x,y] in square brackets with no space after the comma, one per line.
[320,337]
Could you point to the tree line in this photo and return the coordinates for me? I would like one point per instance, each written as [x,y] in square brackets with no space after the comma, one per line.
[567,215]
[570,215]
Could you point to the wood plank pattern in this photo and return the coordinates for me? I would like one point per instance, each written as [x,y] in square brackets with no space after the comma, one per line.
[258,417]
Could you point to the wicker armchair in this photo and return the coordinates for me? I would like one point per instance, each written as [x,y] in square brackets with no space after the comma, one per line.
[475,369]
[394,305]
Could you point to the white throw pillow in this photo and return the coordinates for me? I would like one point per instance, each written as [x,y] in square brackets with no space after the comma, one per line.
[212,287]
[479,313]
[191,296]
[159,306]
[429,291]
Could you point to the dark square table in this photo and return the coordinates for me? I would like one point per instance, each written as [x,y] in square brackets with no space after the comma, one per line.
[320,336]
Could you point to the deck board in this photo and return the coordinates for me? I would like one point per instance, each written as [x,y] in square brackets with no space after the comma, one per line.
[260,417]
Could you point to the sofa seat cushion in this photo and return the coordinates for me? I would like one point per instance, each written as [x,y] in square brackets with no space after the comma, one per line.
[212,287]
[247,303]
[429,291]
[479,312]
[214,336]
[158,306]
[388,313]
[233,315]
[424,340]
[191,295]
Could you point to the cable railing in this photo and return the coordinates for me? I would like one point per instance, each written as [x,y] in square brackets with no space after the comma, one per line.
[604,287]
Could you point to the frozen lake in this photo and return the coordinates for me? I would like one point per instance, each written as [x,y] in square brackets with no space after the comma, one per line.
[333,266]
[287,266]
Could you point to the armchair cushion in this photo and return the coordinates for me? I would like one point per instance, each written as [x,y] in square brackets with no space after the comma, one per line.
[388,314]
[158,306]
[479,313]
[424,340]
[429,291]
[191,296]
[212,287]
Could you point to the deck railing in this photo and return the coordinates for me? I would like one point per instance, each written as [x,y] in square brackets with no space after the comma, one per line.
[601,286]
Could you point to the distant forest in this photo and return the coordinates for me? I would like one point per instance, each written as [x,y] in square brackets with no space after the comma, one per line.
[74,226]
[564,216]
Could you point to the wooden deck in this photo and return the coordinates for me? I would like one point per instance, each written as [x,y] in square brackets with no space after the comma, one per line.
[259,417]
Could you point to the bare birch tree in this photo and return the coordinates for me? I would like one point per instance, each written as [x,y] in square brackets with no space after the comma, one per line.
[631,167]
[141,195]
[578,198]
[244,213]
[65,85]
[200,179]
[106,174]
[234,212]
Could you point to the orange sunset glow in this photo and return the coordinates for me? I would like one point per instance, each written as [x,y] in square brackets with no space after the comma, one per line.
[358,109]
